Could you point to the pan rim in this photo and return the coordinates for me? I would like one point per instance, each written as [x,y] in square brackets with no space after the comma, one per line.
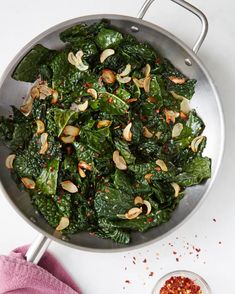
[191,54]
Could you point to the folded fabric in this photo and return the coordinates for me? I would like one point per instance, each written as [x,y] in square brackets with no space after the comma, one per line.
[21,277]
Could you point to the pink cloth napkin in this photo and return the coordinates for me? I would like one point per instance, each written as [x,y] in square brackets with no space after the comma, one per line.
[21,277]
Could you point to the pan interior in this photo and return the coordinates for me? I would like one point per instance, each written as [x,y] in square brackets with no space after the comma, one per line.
[205,101]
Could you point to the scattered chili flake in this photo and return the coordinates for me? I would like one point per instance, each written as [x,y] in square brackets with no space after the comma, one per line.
[220,242]
[158,60]
[134,258]
[106,190]
[158,168]
[145,260]
[183,116]
[177,259]
[157,110]
[128,281]
[151,274]
[87,85]
[110,100]
[174,252]
[214,220]
[198,249]
[150,219]
[133,262]
[143,117]
[180,285]
[125,268]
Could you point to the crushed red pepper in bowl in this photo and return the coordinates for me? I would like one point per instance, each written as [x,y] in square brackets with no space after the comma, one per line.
[181,282]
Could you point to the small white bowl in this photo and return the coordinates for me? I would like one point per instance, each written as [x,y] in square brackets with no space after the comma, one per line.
[205,288]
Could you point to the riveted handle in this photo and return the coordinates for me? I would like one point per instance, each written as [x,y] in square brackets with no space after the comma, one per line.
[190,8]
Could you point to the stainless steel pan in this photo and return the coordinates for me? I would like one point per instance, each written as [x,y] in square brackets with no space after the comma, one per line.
[205,100]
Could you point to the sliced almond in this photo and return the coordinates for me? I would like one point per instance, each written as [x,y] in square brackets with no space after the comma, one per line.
[196,142]
[147,70]
[162,165]
[103,123]
[71,131]
[83,164]
[171,115]
[40,126]
[67,139]
[108,76]
[9,161]
[148,177]
[28,183]
[105,54]
[69,186]
[177,80]
[119,161]
[147,133]
[127,134]
[92,92]
[126,71]
[176,188]
[55,97]
[148,205]
[138,200]
[133,213]
[81,173]
[64,223]
[27,107]
[123,80]
[35,92]
[44,143]
[139,83]
[185,106]
[147,81]
[83,106]
[177,129]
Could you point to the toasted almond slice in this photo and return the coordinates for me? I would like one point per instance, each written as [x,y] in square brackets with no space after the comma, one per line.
[119,161]
[176,96]
[92,92]
[177,129]
[71,131]
[185,106]
[148,205]
[196,142]
[148,177]
[103,123]
[83,106]
[35,92]
[126,71]
[27,107]
[9,161]
[177,80]
[44,143]
[55,97]
[83,164]
[127,134]
[67,139]
[64,223]
[81,173]
[108,76]
[138,200]
[133,213]
[131,100]
[147,133]
[139,83]
[147,81]
[162,165]
[123,80]
[176,188]
[105,54]
[147,70]
[28,183]
[40,126]
[69,186]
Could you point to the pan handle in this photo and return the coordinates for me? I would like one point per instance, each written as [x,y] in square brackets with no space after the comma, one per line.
[37,249]
[189,7]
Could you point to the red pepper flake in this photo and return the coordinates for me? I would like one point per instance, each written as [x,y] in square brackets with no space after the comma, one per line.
[220,242]
[128,281]
[214,220]
[157,110]
[133,262]
[151,274]
[174,252]
[134,258]
[183,116]
[150,220]
[180,285]
[106,190]
[125,268]
[145,260]
[110,100]
[198,249]
[158,169]
[158,60]
[177,259]
[143,117]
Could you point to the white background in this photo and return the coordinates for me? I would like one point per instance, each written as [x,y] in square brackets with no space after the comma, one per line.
[22,20]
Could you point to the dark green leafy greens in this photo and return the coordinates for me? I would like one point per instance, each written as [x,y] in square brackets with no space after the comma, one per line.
[71,163]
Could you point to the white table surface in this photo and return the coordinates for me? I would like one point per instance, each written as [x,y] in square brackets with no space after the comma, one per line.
[99,273]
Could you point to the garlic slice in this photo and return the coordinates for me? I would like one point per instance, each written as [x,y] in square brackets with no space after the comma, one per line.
[126,71]
[176,187]
[139,83]
[44,143]
[71,131]
[83,106]
[185,106]
[147,133]
[92,92]
[119,161]
[177,80]
[64,223]
[105,54]
[103,123]
[28,183]
[67,139]
[127,134]
[69,186]
[147,81]
[177,129]
[76,60]
[162,165]
[133,213]
[9,161]
[27,107]
[123,80]
[40,126]
[138,200]
[83,164]
[148,177]
[81,173]
[147,70]
[148,205]
[196,142]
